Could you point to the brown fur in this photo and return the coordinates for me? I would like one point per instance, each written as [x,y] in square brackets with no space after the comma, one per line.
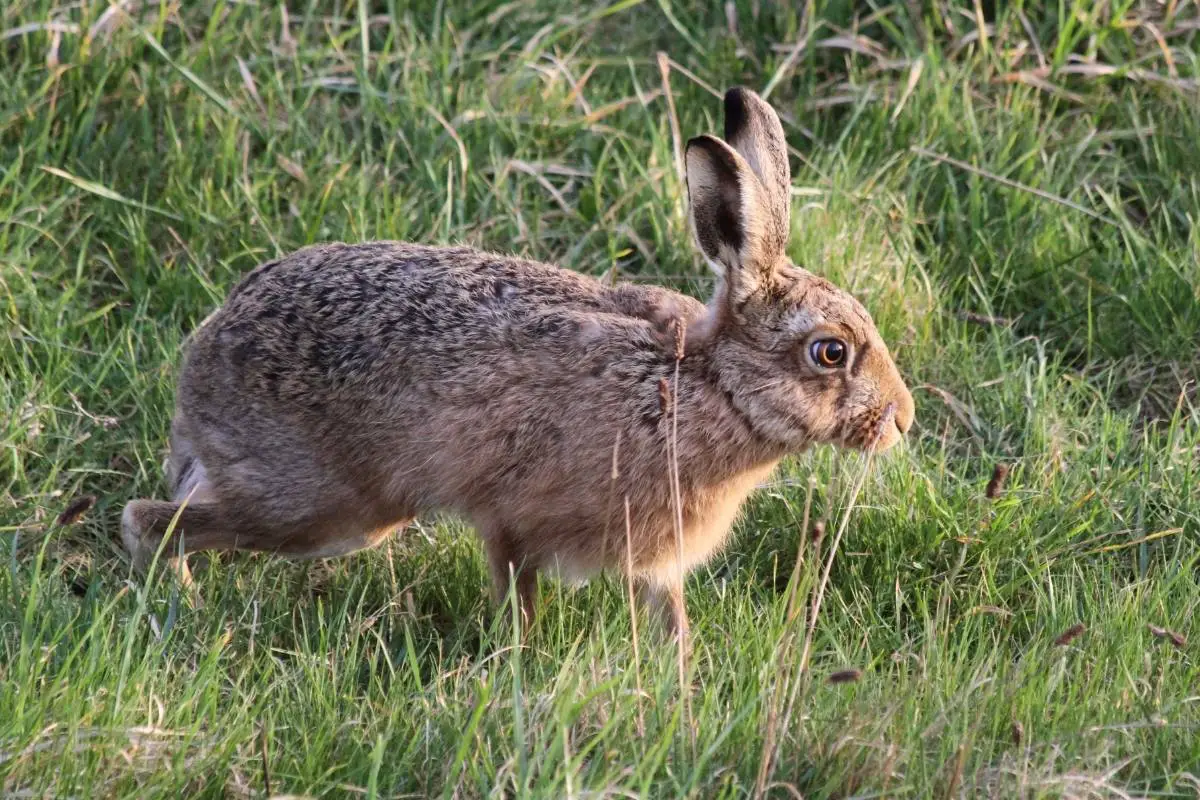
[345,389]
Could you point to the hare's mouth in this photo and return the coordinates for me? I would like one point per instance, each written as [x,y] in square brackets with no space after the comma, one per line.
[876,431]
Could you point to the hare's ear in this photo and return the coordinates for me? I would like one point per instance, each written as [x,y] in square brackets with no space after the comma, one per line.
[731,218]
[739,195]
[753,129]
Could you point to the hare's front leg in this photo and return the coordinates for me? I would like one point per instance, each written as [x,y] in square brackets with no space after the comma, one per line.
[664,599]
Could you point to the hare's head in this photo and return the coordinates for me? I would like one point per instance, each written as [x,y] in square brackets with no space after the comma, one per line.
[800,358]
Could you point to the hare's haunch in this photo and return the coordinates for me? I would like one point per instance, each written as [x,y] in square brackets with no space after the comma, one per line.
[345,389]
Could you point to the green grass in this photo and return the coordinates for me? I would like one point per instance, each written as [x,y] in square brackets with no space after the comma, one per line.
[148,163]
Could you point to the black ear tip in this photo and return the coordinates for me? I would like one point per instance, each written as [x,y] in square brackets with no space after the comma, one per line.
[696,144]
[703,143]
[717,153]
[737,101]
[736,93]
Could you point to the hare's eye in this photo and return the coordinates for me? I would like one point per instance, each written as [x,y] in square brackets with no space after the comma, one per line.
[829,353]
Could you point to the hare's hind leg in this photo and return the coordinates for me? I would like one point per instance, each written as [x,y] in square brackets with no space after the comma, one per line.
[141,513]
[511,573]
[144,523]
[209,525]
[267,498]
[142,518]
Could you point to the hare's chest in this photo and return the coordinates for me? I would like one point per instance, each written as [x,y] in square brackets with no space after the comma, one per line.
[709,514]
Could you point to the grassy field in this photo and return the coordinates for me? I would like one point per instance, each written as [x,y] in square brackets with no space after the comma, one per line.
[1014,194]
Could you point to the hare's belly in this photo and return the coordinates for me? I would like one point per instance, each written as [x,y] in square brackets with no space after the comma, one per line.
[657,552]
[570,569]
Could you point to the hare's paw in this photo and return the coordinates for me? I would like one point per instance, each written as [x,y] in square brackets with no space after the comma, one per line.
[133,535]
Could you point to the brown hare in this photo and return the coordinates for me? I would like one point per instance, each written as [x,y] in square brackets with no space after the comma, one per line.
[345,389]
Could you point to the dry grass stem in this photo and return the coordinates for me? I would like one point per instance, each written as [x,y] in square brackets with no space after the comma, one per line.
[995,486]
[844,676]
[633,623]
[1070,634]
[664,71]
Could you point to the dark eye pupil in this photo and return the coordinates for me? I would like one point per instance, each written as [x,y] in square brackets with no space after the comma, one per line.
[829,352]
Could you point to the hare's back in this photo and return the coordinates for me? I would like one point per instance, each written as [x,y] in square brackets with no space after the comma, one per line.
[360,322]
[376,283]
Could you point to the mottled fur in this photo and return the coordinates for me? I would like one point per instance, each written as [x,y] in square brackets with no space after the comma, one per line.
[345,389]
